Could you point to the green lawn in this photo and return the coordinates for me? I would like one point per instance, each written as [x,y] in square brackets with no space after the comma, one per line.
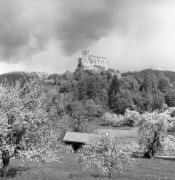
[97,124]
[69,169]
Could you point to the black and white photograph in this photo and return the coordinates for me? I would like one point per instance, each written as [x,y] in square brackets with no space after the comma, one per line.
[87,89]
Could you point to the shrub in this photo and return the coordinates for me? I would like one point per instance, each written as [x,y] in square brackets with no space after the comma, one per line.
[131,118]
[113,119]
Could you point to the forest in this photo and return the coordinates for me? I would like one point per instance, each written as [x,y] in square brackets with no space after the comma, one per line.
[107,91]
[141,91]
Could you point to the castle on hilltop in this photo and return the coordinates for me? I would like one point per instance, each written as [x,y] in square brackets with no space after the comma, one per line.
[91,62]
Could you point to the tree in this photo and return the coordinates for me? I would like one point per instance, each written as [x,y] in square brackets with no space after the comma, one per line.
[82,89]
[55,105]
[153,132]
[121,101]
[92,87]
[65,86]
[77,117]
[147,84]
[113,89]
[93,110]
[103,98]
[137,99]
[170,99]
[164,84]
[129,83]
[25,130]
[105,153]
[145,101]
[158,101]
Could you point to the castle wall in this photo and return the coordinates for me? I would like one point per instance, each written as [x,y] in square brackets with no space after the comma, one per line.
[93,62]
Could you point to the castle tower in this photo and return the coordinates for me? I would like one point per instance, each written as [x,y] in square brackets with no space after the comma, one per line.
[85,52]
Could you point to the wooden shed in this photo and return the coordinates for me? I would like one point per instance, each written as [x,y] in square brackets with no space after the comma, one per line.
[77,139]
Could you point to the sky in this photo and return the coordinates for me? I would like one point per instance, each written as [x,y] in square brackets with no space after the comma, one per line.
[48,35]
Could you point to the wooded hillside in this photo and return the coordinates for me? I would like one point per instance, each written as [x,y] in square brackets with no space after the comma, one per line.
[101,91]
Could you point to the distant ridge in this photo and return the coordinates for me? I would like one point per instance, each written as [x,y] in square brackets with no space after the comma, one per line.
[12,77]
[157,72]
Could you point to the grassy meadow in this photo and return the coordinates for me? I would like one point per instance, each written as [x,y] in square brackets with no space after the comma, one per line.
[69,169]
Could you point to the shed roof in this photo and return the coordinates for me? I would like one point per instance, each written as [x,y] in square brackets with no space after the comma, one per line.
[79,137]
[123,135]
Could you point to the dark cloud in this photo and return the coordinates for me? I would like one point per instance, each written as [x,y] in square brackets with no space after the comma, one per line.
[18,36]
[12,33]
[84,22]
[28,25]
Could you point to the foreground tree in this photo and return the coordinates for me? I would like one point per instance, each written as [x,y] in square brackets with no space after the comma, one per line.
[153,132]
[25,130]
[105,153]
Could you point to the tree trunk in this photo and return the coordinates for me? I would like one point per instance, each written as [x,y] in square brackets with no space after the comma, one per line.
[5,161]
[152,147]
[110,174]
[150,153]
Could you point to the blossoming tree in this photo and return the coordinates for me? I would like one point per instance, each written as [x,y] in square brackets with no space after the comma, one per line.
[153,133]
[105,153]
[25,130]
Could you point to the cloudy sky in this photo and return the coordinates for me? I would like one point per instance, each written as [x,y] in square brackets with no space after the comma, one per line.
[48,35]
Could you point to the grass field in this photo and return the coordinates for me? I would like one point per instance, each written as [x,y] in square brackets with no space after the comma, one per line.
[69,169]
[97,124]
